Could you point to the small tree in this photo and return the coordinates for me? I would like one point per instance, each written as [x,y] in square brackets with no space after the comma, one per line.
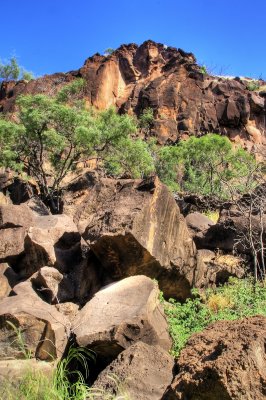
[51,137]
[108,51]
[11,70]
[146,120]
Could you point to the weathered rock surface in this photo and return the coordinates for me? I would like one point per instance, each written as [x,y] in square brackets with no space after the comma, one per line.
[14,223]
[121,314]
[184,100]
[8,279]
[143,372]
[52,241]
[198,224]
[233,227]
[216,269]
[44,330]
[52,286]
[13,370]
[226,361]
[135,227]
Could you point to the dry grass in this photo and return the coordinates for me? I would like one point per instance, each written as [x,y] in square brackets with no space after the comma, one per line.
[228,259]
[213,215]
[218,302]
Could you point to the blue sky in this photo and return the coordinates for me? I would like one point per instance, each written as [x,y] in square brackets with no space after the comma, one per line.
[58,35]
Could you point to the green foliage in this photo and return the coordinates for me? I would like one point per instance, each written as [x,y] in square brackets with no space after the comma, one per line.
[237,299]
[168,166]
[146,119]
[20,341]
[51,137]
[71,91]
[109,51]
[207,165]
[12,70]
[253,85]
[130,157]
[203,69]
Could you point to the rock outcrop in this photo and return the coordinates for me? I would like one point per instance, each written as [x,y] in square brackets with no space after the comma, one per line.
[120,315]
[44,331]
[135,227]
[143,372]
[226,361]
[185,101]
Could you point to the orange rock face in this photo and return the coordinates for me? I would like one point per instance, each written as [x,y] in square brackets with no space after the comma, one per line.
[185,101]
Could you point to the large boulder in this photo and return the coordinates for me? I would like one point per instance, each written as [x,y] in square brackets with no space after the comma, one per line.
[121,314]
[226,361]
[31,328]
[14,223]
[52,241]
[140,372]
[135,227]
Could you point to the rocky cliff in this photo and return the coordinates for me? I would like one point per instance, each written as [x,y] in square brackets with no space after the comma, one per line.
[185,100]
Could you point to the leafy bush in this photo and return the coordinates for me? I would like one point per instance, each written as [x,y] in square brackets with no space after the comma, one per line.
[237,299]
[203,69]
[208,165]
[12,70]
[71,91]
[253,85]
[146,119]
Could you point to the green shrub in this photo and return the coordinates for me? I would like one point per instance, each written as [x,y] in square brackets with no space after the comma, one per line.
[253,85]
[146,119]
[71,91]
[237,299]
[208,165]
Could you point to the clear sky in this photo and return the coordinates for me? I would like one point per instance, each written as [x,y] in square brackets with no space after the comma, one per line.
[58,35]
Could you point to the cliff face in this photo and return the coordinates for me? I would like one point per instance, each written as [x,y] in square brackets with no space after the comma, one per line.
[185,101]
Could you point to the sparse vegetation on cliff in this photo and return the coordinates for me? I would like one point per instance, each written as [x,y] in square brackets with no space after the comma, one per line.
[10,69]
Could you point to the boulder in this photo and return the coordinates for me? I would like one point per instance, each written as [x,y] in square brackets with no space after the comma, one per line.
[68,309]
[121,314]
[52,241]
[215,269]
[226,361]
[37,329]
[135,227]
[52,286]
[14,223]
[198,224]
[87,278]
[140,372]
[8,279]
[232,230]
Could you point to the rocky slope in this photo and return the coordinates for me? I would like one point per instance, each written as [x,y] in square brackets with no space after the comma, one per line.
[87,277]
[185,101]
